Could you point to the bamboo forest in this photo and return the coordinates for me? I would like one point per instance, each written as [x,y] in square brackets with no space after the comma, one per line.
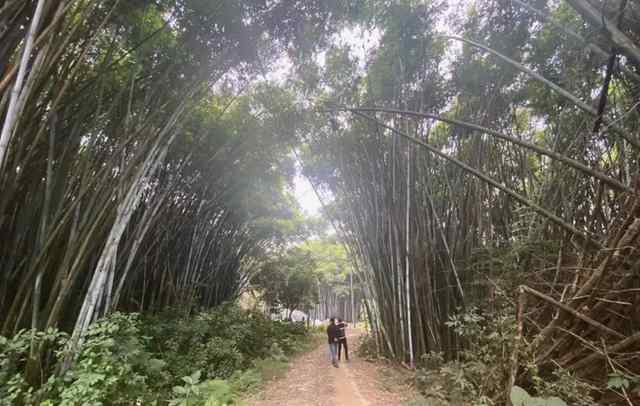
[195,195]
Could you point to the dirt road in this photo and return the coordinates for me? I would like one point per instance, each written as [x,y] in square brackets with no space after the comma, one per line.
[313,381]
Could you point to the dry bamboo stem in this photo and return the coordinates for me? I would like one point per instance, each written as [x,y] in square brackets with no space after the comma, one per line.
[545,213]
[513,369]
[573,312]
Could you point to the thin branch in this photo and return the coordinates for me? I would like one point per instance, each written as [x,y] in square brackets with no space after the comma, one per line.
[613,183]
[516,196]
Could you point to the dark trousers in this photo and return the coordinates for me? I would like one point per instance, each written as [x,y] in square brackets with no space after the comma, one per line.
[343,343]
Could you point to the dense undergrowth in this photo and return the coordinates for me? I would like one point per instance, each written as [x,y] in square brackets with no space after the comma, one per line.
[212,358]
[477,375]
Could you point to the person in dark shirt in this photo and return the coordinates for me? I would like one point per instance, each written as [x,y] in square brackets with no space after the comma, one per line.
[342,339]
[332,335]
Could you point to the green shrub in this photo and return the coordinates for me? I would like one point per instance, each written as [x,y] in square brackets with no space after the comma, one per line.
[113,366]
[270,368]
[128,360]
[564,385]
[246,381]
[215,392]
[219,357]
[482,368]
[277,353]
[14,353]
[368,348]
[520,397]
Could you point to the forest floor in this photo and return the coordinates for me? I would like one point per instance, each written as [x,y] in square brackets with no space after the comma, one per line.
[312,380]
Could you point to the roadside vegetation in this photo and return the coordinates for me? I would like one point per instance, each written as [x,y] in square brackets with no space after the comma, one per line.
[214,357]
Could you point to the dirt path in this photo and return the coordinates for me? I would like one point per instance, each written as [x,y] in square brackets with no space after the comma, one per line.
[313,381]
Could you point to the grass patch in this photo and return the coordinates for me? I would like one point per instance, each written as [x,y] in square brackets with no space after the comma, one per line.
[270,368]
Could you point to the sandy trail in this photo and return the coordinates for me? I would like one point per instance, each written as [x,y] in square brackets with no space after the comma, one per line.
[312,380]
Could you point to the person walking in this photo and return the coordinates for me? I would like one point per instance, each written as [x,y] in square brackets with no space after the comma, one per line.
[332,335]
[342,339]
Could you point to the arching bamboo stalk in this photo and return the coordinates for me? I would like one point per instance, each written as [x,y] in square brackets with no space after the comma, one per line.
[516,196]
[619,38]
[613,183]
[558,89]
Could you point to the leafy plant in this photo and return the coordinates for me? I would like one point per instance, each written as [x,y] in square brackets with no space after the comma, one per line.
[219,357]
[193,392]
[246,381]
[368,348]
[14,353]
[271,368]
[113,367]
[126,359]
[620,381]
[520,397]
[481,369]
[563,384]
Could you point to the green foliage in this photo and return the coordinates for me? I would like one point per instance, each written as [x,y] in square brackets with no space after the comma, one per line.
[563,384]
[620,381]
[127,360]
[193,392]
[114,365]
[14,354]
[482,366]
[288,281]
[520,397]
[275,365]
[330,258]
[223,343]
[368,348]
[241,350]
[219,357]
[219,341]
[479,373]
[270,368]
[246,381]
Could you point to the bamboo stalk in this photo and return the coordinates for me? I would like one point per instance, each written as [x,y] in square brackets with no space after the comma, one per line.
[543,212]
[11,116]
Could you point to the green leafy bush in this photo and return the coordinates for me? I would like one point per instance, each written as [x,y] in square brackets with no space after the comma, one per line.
[219,357]
[220,341]
[193,392]
[270,368]
[520,397]
[246,381]
[113,367]
[479,373]
[126,359]
[563,384]
[483,365]
[368,348]
[14,354]
[277,353]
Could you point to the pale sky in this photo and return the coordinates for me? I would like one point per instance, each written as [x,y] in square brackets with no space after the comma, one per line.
[306,196]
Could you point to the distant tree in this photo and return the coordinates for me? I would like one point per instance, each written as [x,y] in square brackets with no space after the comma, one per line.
[288,281]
